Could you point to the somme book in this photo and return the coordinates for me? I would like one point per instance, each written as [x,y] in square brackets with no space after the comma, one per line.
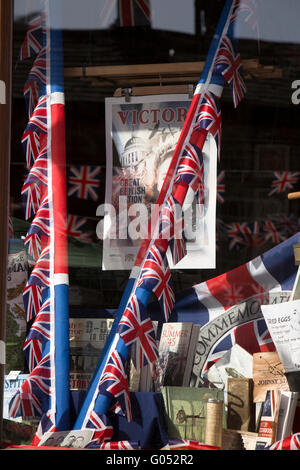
[177,346]
[87,339]
[185,409]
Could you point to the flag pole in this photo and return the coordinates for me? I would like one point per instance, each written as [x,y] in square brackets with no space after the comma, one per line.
[59,226]
[202,86]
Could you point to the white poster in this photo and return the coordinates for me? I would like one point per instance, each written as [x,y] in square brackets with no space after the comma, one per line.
[141,136]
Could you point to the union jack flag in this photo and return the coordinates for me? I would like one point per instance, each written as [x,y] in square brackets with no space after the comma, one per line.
[284,181]
[84,182]
[134,12]
[33,41]
[136,330]
[229,63]
[188,444]
[272,233]
[33,247]
[38,72]
[210,118]
[156,277]
[287,225]
[256,238]
[38,335]
[114,381]
[32,349]
[38,120]
[29,398]
[31,95]
[32,298]
[31,146]
[75,226]
[103,429]
[31,196]
[288,443]
[41,271]
[239,234]
[39,170]
[172,227]
[250,8]
[221,187]
[41,222]
[191,170]
[46,424]
[120,445]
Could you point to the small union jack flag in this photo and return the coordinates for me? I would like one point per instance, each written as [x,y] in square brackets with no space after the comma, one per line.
[221,187]
[134,12]
[38,72]
[39,171]
[249,7]
[31,96]
[31,196]
[229,63]
[38,335]
[272,233]
[29,398]
[114,381]
[84,182]
[172,228]
[136,330]
[75,226]
[238,233]
[33,247]
[284,181]
[40,274]
[156,277]
[103,429]
[33,41]
[38,120]
[210,118]
[32,298]
[31,146]
[41,222]
[287,225]
[191,170]
[32,349]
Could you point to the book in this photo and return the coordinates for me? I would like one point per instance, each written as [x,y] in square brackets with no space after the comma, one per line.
[268,422]
[240,407]
[176,349]
[87,340]
[185,411]
[286,414]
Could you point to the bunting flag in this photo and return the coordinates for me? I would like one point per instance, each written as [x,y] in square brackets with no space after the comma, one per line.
[151,273]
[45,393]
[134,12]
[83,182]
[221,187]
[284,181]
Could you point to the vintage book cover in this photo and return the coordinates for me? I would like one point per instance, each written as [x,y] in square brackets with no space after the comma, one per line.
[87,339]
[240,407]
[268,374]
[185,409]
[177,347]
[268,421]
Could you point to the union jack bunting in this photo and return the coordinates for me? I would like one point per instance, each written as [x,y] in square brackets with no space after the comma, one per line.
[238,233]
[134,12]
[249,8]
[84,182]
[39,170]
[32,298]
[38,72]
[286,224]
[156,277]
[38,120]
[229,63]
[136,330]
[40,274]
[172,228]
[31,197]
[209,117]
[115,382]
[221,186]
[33,247]
[31,146]
[284,181]
[75,226]
[272,233]
[41,222]
[34,38]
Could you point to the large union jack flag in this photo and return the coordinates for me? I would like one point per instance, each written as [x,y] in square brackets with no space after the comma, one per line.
[136,330]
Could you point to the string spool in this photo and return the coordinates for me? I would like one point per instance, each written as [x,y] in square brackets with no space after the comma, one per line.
[214,426]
